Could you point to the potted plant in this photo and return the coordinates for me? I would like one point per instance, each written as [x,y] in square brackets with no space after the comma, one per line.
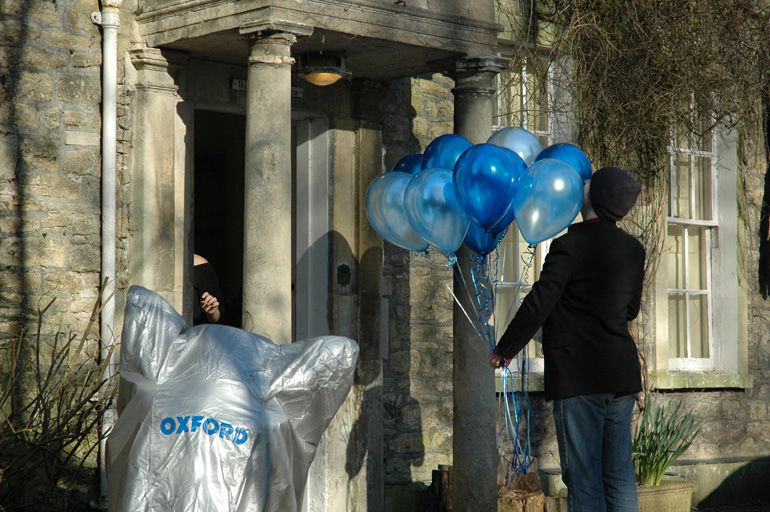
[663,433]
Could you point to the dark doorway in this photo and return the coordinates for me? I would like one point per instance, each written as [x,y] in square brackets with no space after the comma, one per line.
[220,140]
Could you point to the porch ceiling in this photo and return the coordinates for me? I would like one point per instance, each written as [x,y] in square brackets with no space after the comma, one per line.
[381,41]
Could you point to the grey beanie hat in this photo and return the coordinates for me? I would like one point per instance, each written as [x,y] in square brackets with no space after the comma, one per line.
[613,193]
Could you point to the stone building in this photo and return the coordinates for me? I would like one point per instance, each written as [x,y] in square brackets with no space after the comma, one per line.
[134,133]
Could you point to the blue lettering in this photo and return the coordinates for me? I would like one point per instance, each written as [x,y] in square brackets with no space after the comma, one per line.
[182,424]
[225,430]
[240,436]
[210,426]
[167,426]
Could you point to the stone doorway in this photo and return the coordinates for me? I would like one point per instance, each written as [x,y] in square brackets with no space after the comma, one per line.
[219,153]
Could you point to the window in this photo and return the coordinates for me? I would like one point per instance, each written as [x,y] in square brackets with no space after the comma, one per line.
[691,231]
[525,98]
[700,331]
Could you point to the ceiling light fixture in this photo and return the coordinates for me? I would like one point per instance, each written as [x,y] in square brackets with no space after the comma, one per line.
[324,69]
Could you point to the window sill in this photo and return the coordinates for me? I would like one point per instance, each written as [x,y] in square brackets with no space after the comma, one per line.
[664,379]
[661,379]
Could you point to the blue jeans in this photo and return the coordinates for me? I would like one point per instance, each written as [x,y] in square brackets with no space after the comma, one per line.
[594,436]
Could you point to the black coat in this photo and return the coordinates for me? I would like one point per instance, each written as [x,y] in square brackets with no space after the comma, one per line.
[589,289]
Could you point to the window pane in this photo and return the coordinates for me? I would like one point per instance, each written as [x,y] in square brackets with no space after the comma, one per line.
[677,334]
[537,96]
[704,140]
[681,137]
[703,188]
[680,187]
[511,98]
[698,326]
[675,254]
[696,256]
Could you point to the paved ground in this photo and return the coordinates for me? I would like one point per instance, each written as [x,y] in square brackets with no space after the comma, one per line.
[759,507]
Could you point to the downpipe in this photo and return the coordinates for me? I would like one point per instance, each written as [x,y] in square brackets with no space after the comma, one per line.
[109,19]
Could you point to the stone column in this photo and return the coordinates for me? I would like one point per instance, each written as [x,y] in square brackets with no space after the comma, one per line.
[474,444]
[156,208]
[267,237]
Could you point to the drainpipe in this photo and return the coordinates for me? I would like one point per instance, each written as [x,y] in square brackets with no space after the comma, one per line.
[109,20]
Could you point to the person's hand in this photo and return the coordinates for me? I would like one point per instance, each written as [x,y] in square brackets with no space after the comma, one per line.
[495,360]
[210,306]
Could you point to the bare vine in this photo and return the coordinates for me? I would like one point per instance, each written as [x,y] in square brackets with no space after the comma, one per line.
[637,68]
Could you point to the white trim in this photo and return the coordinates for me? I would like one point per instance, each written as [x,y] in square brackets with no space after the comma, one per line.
[312,243]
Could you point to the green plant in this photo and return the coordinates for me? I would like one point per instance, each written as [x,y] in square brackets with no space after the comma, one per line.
[663,433]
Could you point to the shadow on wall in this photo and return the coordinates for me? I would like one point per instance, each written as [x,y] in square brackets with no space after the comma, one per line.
[747,485]
[12,177]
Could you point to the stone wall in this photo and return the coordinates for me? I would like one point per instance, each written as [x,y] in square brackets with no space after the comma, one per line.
[50,135]
[417,399]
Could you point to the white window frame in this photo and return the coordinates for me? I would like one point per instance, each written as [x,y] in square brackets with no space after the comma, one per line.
[558,130]
[691,363]
[727,366]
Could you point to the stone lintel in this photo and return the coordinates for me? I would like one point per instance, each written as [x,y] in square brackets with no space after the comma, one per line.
[267,19]
[176,20]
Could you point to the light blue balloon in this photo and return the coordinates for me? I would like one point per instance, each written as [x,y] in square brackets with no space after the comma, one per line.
[548,198]
[520,141]
[485,178]
[444,151]
[433,211]
[571,154]
[386,213]
[410,164]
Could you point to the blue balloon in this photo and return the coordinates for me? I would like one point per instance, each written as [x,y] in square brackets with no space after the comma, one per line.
[479,240]
[485,178]
[520,141]
[433,211]
[444,151]
[410,164]
[547,200]
[571,154]
[504,223]
[386,214]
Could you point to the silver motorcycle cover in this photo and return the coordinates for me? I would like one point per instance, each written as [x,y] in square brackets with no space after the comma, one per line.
[214,418]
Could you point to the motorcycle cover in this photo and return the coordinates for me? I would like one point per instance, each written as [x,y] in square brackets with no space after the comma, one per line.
[214,418]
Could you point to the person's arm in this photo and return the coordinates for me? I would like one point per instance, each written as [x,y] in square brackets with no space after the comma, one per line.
[536,306]
[636,303]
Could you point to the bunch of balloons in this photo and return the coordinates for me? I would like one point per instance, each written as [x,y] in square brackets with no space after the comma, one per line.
[457,192]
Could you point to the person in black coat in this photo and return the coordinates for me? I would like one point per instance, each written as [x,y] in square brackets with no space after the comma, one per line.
[589,289]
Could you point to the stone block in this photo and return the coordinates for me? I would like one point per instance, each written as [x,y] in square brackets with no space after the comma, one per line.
[78,18]
[9,147]
[12,7]
[408,443]
[53,186]
[86,59]
[43,58]
[67,41]
[14,30]
[43,10]
[48,252]
[40,152]
[81,120]
[34,87]
[25,117]
[82,162]
[83,89]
